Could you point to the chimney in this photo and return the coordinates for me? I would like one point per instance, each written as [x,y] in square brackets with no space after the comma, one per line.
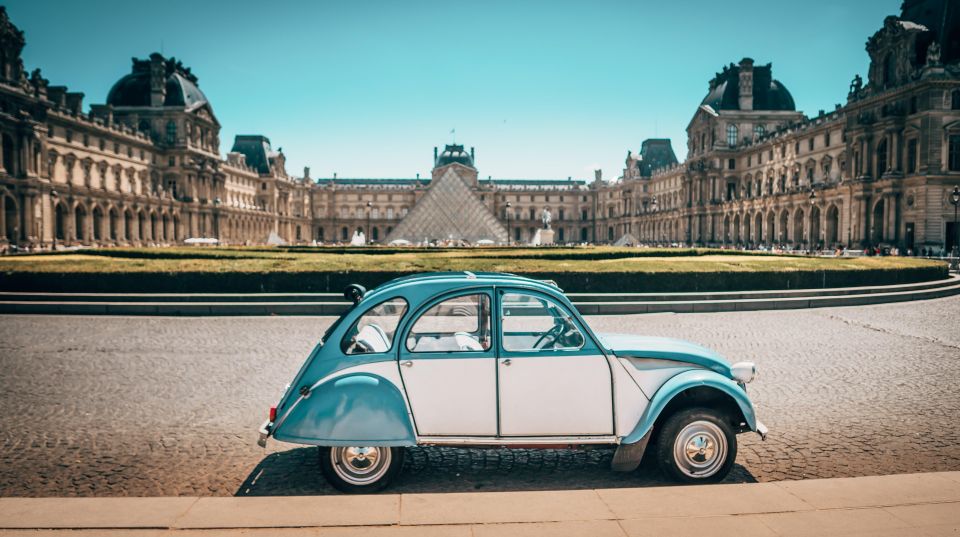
[746,84]
[74,102]
[434,156]
[306,172]
[158,80]
[472,158]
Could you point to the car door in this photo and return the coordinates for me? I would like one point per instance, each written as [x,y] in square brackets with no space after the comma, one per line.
[448,365]
[552,378]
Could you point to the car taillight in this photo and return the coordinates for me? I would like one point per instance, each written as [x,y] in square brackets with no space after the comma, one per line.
[273,413]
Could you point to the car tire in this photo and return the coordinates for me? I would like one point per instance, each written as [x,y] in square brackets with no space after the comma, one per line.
[360,470]
[696,445]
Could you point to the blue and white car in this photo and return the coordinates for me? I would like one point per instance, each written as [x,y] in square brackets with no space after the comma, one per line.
[487,359]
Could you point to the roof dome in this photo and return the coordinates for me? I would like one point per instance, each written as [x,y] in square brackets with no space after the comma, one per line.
[453,153]
[180,85]
[768,94]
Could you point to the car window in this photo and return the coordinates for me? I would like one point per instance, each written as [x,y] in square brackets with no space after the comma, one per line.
[532,323]
[457,324]
[374,330]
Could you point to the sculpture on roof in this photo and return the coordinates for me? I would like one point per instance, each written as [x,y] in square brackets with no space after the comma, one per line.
[933,54]
[856,85]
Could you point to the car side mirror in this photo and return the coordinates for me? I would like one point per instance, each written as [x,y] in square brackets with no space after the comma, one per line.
[354,292]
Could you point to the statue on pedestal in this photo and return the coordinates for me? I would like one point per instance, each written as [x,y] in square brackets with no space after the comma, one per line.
[546,218]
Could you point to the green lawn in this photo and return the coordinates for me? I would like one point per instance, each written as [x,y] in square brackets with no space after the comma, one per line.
[518,260]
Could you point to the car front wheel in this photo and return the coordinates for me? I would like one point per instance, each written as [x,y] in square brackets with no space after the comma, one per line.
[696,445]
[359,469]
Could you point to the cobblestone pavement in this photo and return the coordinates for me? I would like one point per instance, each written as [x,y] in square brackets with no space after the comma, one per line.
[141,406]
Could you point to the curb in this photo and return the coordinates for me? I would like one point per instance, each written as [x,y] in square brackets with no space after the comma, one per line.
[907,504]
[196,305]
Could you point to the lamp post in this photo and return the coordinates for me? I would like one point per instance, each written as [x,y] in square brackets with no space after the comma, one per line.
[509,205]
[653,208]
[54,196]
[813,203]
[955,200]
[369,205]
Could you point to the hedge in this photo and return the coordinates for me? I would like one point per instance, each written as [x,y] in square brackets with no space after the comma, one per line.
[576,282]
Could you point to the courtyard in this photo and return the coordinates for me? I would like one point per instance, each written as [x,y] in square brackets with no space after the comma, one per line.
[159,406]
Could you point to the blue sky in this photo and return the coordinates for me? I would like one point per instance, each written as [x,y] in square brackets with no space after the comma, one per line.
[541,89]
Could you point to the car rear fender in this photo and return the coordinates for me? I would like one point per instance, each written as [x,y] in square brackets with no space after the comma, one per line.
[355,409]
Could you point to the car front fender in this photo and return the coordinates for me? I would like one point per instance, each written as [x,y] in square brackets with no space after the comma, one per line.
[682,382]
[358,409]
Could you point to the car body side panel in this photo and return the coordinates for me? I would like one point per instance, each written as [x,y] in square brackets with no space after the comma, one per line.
[351,408]
[629,400]
[651,374]
[683,381]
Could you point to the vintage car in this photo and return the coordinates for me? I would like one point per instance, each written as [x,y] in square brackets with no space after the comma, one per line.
[497,360]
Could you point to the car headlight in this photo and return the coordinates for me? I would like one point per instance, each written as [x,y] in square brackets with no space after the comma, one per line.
[744,371]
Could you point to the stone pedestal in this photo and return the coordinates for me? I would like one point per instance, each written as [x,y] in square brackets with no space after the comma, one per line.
[546,237]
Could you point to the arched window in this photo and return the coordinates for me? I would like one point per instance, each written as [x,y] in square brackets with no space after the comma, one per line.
[955,100]
[8,155]
[733,133]
[343,233]
[758,131]
[171,132]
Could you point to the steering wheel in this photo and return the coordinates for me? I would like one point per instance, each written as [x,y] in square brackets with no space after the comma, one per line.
[363,346]
[554,334]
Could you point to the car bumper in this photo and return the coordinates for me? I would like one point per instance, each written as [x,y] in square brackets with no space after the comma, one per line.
[761,430]
[264,433]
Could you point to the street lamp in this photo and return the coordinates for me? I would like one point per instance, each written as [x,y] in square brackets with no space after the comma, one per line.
[813,203]
[54,196]
[653,208]
[369,205]
[955,200]
[509,205]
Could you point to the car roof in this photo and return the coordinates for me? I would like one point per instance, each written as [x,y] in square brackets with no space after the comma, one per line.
[453,280]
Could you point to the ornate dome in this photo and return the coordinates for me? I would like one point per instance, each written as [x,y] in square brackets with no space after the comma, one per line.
[451,154]
[180,85]
[768,94]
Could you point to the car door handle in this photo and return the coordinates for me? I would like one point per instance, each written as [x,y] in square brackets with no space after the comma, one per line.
[408,363]
[506,362]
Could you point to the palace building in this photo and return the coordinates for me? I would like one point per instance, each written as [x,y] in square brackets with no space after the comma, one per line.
[145,167]
[878,170]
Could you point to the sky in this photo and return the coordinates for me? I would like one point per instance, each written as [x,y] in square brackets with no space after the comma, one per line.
[542,90]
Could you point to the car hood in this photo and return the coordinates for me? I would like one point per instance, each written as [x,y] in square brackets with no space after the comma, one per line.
[663,348]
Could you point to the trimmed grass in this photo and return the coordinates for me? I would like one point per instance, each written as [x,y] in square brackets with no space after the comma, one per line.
[516,260]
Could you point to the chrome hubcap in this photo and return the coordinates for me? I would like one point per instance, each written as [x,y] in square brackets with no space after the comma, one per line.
[700,449]
[360,465]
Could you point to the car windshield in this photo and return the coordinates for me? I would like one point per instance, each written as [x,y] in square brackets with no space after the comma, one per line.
[373,332]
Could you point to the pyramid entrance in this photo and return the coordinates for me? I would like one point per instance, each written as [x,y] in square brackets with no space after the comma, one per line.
[450,209]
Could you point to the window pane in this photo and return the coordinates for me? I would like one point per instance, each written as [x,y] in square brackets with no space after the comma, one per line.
[532,323]
[457,324]
[375,329]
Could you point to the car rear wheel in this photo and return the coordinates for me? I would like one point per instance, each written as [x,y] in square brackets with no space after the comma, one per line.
[360,469]
[696,445]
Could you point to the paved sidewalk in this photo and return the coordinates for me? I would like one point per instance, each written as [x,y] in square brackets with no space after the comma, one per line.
[908,504]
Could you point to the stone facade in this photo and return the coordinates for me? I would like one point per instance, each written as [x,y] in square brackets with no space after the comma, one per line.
[876,171]
[145,167]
